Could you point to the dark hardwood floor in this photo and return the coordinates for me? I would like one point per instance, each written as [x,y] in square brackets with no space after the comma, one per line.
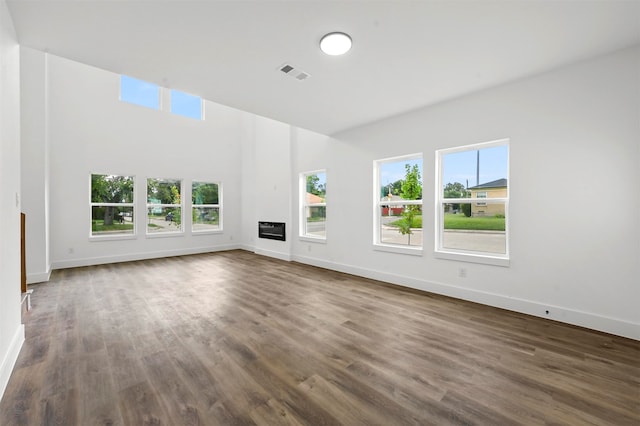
[234,338]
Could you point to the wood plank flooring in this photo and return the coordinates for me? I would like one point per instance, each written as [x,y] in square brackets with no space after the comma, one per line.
[234,338]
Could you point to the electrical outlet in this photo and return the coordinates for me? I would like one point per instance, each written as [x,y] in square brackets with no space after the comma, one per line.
[70,250]
[462,272]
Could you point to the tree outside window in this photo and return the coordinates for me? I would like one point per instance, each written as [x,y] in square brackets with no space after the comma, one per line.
[398,212]
[164,205]
[206,210]
[112,205]
[313,204]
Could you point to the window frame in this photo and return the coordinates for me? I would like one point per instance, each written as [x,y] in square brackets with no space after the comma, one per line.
[482,195]
[302,229]
[148,205]
[132,205]
[441,252]
[378,204]
[219,206]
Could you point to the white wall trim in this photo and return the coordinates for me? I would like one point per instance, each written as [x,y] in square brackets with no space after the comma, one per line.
[276,254]
[39,277]
[10,358]
[90,261]
[557,313]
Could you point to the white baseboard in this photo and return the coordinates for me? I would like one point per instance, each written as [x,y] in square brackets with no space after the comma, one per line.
[271,253]
[9,359]
[89,261]
[557,313]
[39,277]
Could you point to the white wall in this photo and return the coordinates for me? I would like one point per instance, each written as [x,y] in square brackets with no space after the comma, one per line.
[575,233]
[11,330]
[35,162]
[91,131]
[267,184]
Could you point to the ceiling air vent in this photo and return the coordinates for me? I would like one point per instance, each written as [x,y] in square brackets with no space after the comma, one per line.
[286,69]
[294,72]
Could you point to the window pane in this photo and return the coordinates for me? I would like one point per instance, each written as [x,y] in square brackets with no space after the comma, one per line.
[467,172]
[401,180]
[313,220]
[139,92]
[186,104]
[106,220]
[401,224]
[204,193]
[475,228]
[111,189]
[164,219]
[205,218]
[316,221]
[163,191]
[316,188]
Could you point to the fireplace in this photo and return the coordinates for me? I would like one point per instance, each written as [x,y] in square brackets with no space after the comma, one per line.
[272,230]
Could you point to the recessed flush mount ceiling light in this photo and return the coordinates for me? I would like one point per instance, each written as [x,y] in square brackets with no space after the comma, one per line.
[335,44]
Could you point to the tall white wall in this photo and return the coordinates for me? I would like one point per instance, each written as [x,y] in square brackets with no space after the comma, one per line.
[90,131]
[35,161]
[11,329]
[574,159]
[267,184]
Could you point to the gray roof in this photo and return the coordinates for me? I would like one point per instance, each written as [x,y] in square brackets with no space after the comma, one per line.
[500,183]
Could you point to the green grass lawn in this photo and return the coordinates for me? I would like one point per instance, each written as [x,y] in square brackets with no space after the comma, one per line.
[460,221]
[483,223]
[416,223]
[99,226]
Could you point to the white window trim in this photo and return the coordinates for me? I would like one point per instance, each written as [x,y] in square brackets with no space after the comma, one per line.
[302,228]
[378,203]
[113,237]
[486,258]
[219,206]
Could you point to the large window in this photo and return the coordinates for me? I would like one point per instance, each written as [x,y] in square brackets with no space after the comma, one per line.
[206,210]
[473,203]
[112,205]
[398,202]
[313,205]
[186,104]
[139,92]
[164,206]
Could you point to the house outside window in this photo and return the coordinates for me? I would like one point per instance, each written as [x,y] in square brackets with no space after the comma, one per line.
[398,204]
[313,205]
[473,221]
[112,206]
[164,206]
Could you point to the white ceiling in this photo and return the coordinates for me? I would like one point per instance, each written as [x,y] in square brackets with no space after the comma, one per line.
[406,54]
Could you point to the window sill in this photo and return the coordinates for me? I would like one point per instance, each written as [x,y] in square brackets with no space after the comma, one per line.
[94,238]
[309,239]
[212,232]
[484,259]
[413,251]
[166,234]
